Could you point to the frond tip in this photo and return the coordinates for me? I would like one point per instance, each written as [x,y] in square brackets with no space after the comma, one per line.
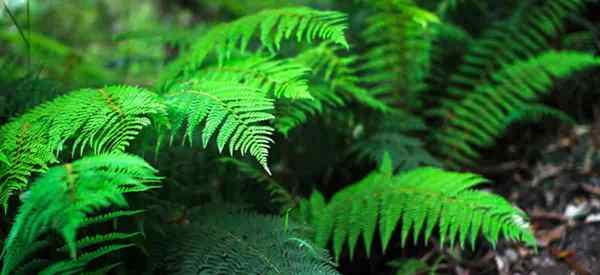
[420,199]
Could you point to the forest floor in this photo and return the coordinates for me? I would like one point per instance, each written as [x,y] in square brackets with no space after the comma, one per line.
[560,191]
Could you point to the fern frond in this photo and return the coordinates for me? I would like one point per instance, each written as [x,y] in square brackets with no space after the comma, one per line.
[340,73]
[232,112]
[103,120]
[291,113]
[76,266]
[279,78]
[399,34]
[420,199]
[237,243]
[61,199]
[272,27]
[335,81]
[477,119]
[97,239]
[523,36]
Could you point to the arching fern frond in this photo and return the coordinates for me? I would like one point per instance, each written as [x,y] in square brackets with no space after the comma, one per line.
[237,243]
[278,78]
[232,112]
[525,35]
[99,120]
[61,200]
[420,199]
[475,120]
[272,27]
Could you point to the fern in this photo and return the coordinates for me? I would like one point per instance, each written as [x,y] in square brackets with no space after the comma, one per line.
[62,199]
[276,78]
[221,242]
[399,34]
[236,109]
[334,83]
[511,41]
[400,140]
[103,120]
[420,199]
[477,118]
[272,26]
[292,113]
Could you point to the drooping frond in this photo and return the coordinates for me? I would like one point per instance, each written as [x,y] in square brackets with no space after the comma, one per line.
[218,242]
[234,113]
[99,120]
[271,26]
[416,201]
[475,120]
[61,200]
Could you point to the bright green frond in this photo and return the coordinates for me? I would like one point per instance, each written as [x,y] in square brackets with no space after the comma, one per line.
[61,199]
[283,78]
[96,120]
[234,113]
[271,26]
[416,201]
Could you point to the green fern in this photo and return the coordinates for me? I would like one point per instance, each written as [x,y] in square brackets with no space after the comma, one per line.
[62,199]
[233,242]
[397,134]
[475,120]
[272,27]
[278,78]
[420,199]
[292,113]
[524,35]
[237,110]
[334,83]
[103,120]
[399,34]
